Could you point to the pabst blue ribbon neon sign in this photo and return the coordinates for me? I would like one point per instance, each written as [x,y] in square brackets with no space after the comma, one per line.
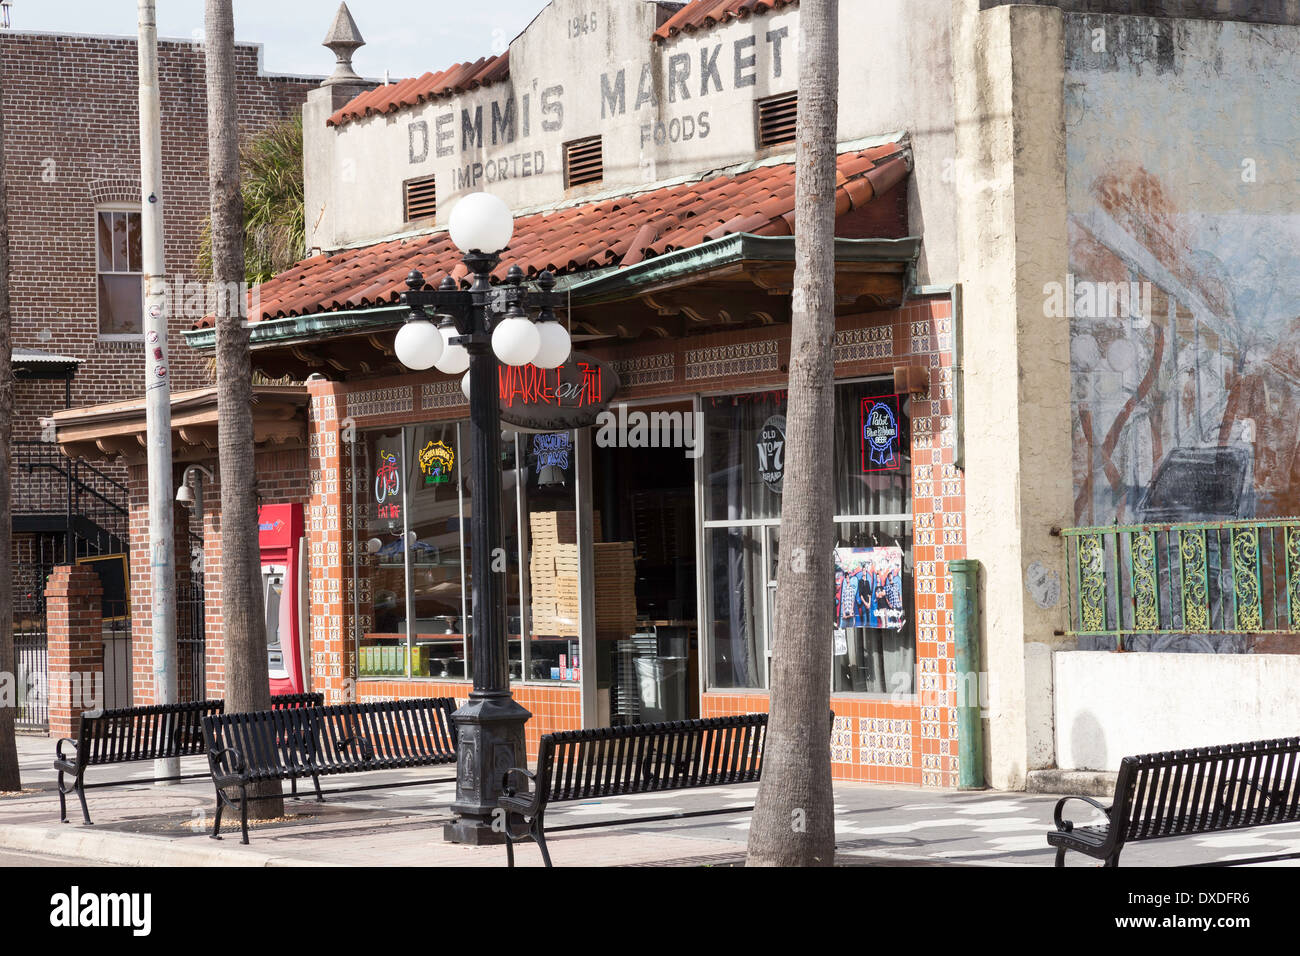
[880,433]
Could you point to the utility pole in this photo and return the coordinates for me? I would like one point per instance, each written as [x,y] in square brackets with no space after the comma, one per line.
[157,388]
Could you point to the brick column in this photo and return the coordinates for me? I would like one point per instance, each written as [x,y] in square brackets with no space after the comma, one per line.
[75,636]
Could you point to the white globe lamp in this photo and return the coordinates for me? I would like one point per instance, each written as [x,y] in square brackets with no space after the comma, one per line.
[515,340]
[464,385]
[555,345]
[454,358]
[418,344]
[481,222]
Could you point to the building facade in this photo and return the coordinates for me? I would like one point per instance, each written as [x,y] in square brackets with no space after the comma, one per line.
[1061,325]
[72,163]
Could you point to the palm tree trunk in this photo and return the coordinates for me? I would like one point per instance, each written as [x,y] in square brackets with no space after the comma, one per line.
[794,821]
[9,775]
[244,629]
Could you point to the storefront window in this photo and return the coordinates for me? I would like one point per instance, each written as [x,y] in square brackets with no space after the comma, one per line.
[873,644]
[383,650]
[743,478]
[739,593]
[745,451]
[418,516]
[435,477]
[547,480]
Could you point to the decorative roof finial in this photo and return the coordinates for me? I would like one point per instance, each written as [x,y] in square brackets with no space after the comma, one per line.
[343,40]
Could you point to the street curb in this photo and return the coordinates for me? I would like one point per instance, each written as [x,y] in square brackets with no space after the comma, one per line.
[128,849]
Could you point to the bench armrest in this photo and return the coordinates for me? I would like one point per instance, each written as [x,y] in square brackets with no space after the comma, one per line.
[58,748]
[529,789]
[1065,826]
[367,748]
[236,765]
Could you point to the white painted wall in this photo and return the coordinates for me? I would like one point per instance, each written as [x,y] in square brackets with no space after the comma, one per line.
[1110,706]
[686,107]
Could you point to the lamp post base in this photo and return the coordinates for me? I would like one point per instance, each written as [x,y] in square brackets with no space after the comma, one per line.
[489,741]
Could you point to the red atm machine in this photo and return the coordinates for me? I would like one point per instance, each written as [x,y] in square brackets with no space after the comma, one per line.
[284,590]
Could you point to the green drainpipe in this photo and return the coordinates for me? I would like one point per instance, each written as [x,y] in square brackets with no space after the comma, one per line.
[966,626]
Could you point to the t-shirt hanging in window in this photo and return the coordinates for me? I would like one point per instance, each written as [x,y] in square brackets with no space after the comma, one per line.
[869,588]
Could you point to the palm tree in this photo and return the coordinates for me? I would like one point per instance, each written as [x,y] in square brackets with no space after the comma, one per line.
[271,183]
[248,685]
[9,774]
[794,819]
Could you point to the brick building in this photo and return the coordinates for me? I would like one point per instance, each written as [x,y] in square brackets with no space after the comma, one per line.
[1105,456]
[73,170]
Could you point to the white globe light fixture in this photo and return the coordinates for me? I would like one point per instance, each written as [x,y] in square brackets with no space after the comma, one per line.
[481,222]
[515,340]
[455,358]
[481,226]
[418,344]
[555,344]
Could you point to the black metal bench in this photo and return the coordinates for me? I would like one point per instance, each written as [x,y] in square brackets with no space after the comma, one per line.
[1189,792]
[153,732]
[622,761]
[313,742]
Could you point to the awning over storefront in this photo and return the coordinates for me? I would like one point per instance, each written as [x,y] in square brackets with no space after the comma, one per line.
[727,237]
[118,429]
[33,363]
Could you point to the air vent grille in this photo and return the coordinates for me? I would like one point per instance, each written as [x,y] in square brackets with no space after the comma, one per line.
[777,119]
[583,162]
[420,199]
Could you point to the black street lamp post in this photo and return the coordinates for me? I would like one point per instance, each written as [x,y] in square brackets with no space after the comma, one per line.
[490,727]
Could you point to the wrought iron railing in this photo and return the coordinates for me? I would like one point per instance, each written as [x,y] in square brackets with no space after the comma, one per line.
[1230,577]
[48,482]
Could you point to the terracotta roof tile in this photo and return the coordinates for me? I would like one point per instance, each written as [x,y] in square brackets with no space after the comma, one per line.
[625,230]
[705,14]
[392,97]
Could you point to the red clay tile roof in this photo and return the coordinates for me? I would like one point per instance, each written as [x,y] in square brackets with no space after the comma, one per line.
[705,14]
[395,96]
[621,231]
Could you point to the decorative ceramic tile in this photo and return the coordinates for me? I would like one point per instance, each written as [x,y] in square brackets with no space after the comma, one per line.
[442,394]
[885,742]
[381,401]
[647,369]
[745,358]
[857,345]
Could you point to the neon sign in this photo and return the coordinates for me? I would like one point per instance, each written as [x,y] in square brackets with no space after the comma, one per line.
[552,450]
[436,461]
[388,486]
[880,434]
[556,399]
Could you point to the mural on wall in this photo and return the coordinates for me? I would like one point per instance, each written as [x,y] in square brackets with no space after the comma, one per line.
[1184,285]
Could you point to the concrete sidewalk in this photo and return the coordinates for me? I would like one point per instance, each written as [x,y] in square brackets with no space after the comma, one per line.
[141,824]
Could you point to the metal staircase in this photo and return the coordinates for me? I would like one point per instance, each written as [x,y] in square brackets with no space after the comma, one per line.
[63,511]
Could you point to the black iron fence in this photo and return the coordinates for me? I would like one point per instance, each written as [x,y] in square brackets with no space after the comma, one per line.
[191,640]
[31,684]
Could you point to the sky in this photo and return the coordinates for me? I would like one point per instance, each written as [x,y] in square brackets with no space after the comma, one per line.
[405,37]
